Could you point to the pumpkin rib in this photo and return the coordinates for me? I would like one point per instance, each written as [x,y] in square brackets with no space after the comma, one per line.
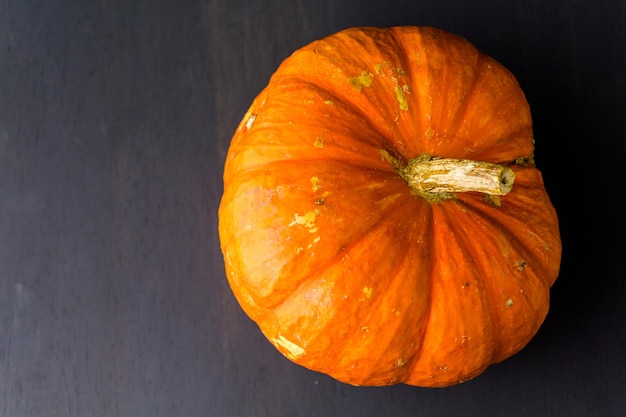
[419,106]
[434,368]
[506,157]
[252,173]
[443,84]
[489,248]
[462,104]
[504,117]
[354,135]
[329,263]
[467,235]
[454,125]
[342,101]
[446,128]
[434,123]
[515,216]
[395,69]
[293,265]
[420,285]
[319,71]
[351,251]
[327,210]
[483,68]
[270,157]
[512,227]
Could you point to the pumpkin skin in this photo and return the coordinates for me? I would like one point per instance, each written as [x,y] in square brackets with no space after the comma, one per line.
[346,270]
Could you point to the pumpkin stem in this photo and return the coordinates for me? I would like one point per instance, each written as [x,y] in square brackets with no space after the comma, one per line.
[438,179]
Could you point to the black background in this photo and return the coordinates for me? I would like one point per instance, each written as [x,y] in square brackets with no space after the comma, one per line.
[115,118]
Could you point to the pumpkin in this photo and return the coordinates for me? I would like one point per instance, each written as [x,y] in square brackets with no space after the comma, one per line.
[383,220]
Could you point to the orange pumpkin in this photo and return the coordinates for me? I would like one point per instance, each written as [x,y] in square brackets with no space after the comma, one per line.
[382,218]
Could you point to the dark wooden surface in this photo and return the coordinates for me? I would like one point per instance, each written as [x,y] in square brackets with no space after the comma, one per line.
[115,117]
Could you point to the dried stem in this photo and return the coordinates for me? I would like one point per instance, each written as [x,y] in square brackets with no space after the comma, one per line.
[439,179]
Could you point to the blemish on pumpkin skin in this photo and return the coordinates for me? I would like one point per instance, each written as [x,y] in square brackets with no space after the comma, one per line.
[387,201]
[493,200]
[293,350]
[320,201]
[402,101]
[368,292]
[360,81]
[315,184]
[307,220]
[509,302]
[400,94]
[318,142]
[379,68]
[250,121]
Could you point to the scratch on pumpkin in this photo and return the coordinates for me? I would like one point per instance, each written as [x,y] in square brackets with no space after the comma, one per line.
[319,142]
